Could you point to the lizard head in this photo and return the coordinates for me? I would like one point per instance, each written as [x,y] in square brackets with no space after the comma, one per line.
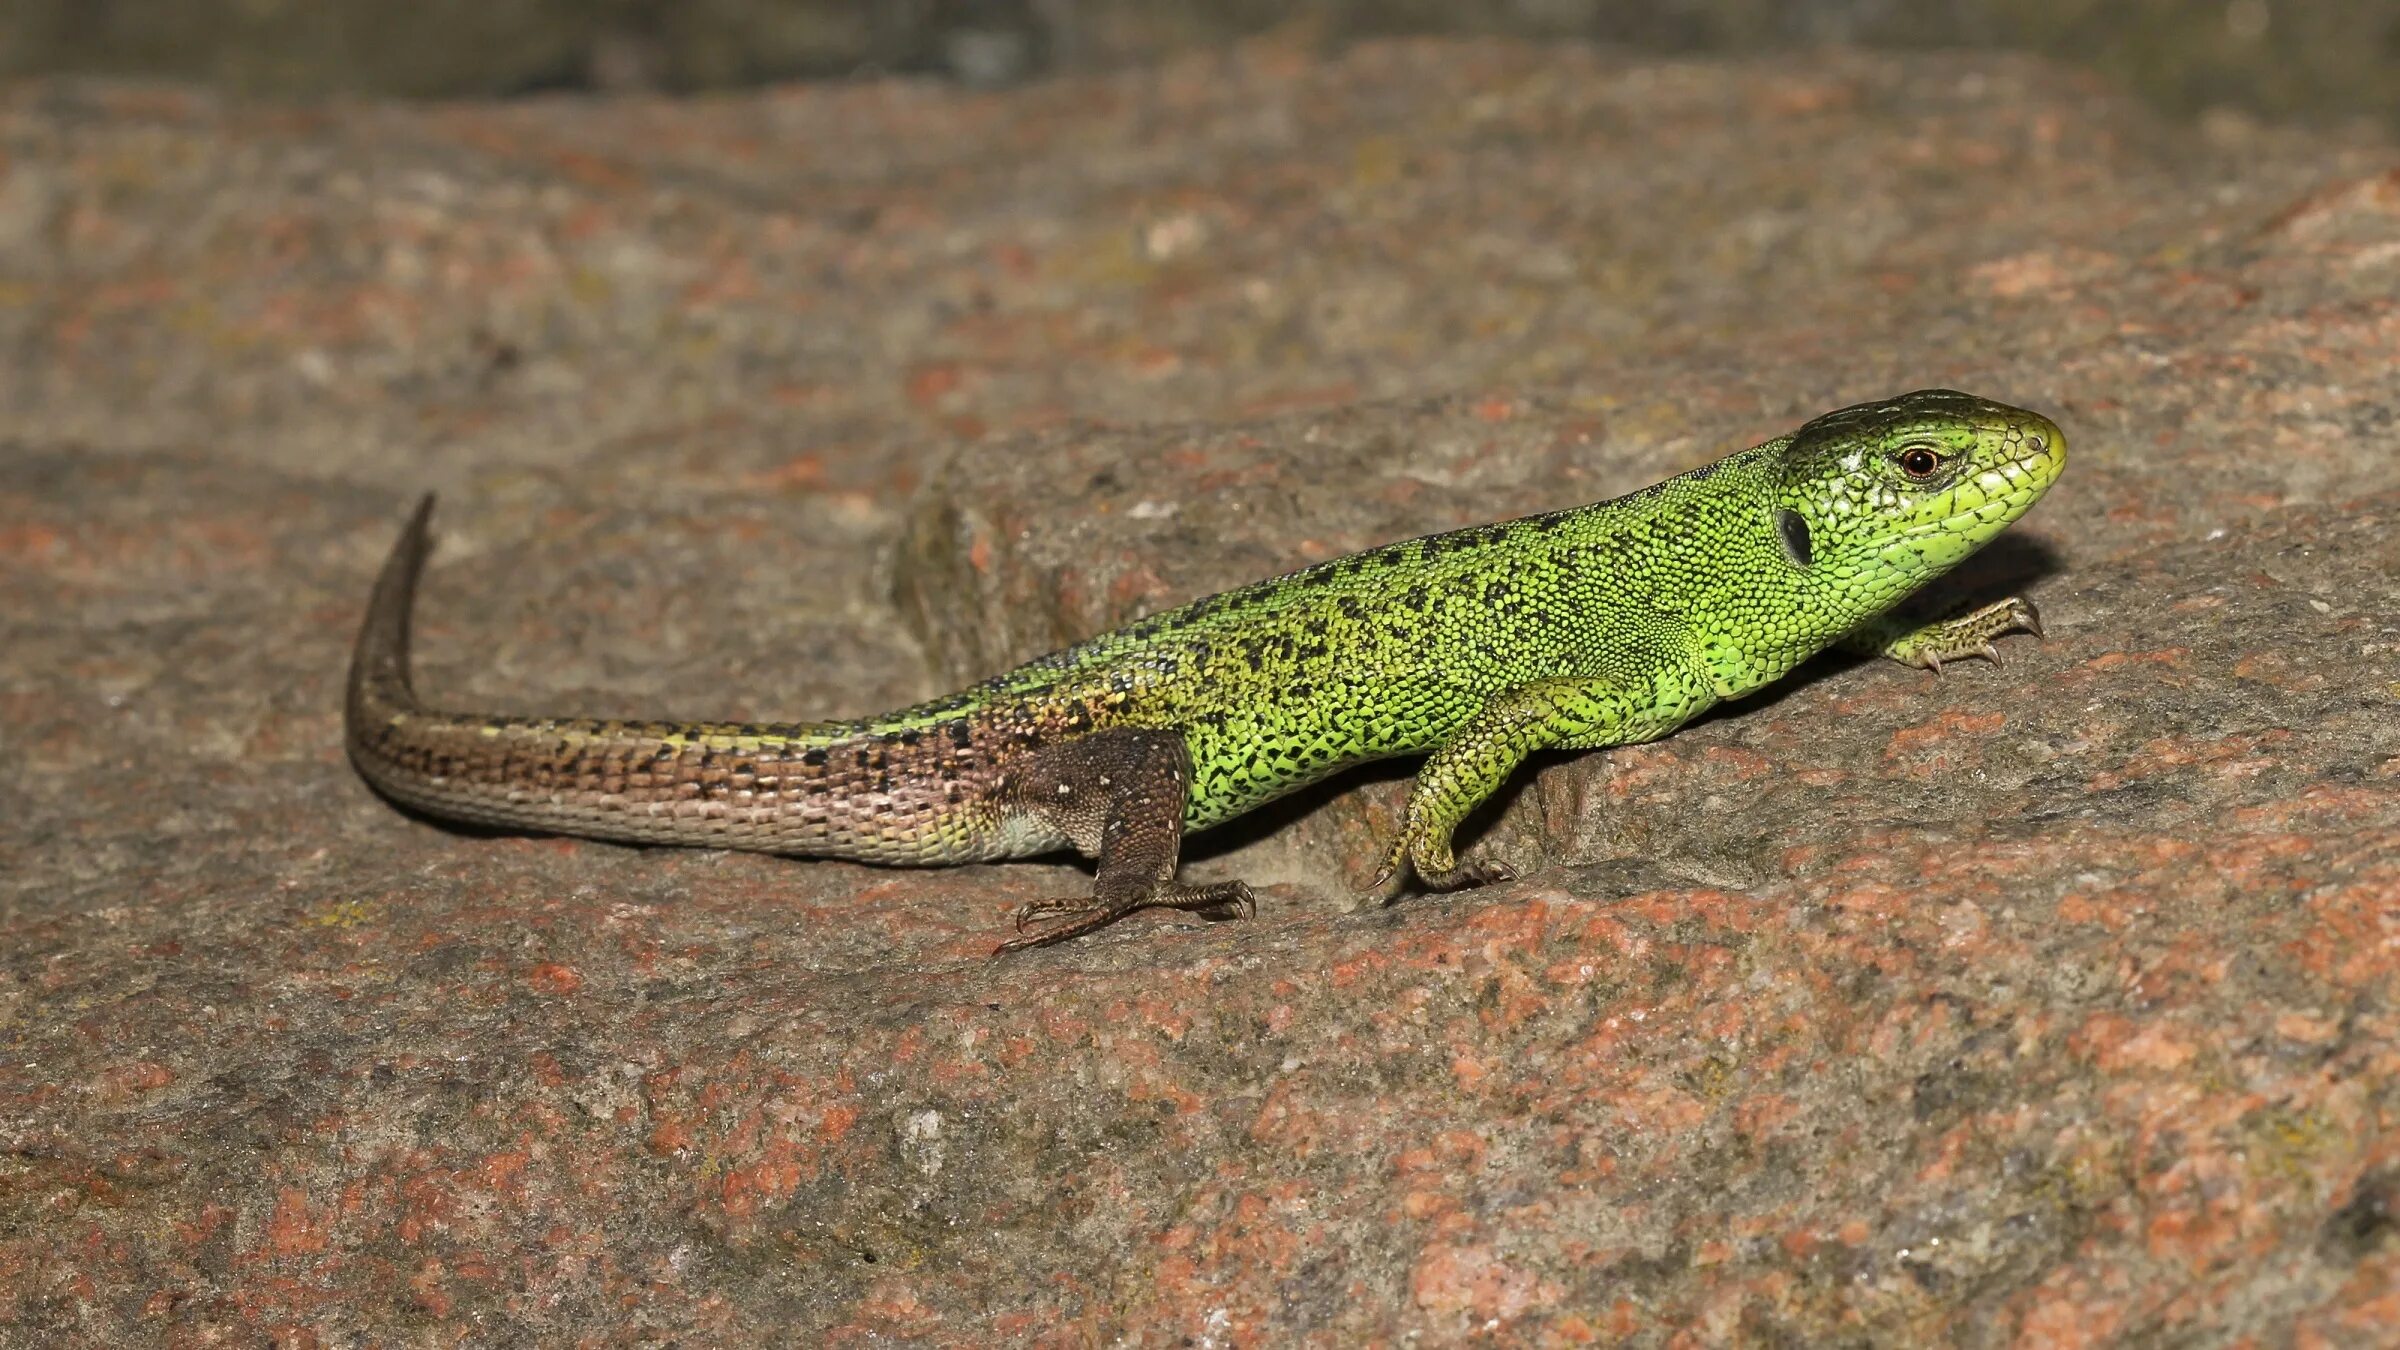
[1875,500]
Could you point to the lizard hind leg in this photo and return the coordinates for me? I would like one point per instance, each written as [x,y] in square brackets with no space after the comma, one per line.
[1119,796]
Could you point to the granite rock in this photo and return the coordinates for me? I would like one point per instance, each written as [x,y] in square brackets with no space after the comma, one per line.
[2047,1004]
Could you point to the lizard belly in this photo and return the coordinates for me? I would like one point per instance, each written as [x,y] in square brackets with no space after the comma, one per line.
[1245,757]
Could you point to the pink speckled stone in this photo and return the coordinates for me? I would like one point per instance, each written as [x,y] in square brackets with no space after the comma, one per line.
[2045,1005]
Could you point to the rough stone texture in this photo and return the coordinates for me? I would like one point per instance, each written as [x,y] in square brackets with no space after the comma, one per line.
[2040,1005]
[2324,59]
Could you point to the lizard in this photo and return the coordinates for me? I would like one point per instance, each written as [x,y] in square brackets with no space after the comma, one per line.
[1599,625]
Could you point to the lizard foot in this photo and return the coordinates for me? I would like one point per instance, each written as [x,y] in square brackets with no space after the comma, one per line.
[1969,634]
[1228,899]
[1440,872]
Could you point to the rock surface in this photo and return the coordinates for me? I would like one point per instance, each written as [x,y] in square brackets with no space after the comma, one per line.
[2321,59]
[2039,1005]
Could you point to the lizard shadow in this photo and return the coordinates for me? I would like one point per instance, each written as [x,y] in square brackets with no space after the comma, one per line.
[1282,813]
[2005,567]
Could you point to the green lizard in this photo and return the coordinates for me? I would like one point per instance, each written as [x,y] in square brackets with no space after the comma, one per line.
[1596,626]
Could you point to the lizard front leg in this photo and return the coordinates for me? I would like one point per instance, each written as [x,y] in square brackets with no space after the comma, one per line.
[1927,646]
[1117,795]
[1479,756]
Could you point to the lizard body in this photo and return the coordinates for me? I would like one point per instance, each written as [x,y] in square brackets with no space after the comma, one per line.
[1599,625]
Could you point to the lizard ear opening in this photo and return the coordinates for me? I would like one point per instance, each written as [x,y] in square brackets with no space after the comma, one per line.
[1792,529]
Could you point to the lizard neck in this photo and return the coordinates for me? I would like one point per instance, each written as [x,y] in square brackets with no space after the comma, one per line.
[1705,548]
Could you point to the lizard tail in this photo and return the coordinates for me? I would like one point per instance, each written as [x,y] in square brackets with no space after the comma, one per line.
[379,683]
[826,789]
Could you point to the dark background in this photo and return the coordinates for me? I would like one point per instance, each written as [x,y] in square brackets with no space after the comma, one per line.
[2322,61]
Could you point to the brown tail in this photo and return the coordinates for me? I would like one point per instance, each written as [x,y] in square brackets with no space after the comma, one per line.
[771,787]
[379,683]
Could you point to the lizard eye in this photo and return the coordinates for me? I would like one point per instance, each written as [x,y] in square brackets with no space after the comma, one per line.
[1919,462]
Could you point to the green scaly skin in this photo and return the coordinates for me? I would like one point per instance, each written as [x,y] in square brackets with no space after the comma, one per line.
[1602,625]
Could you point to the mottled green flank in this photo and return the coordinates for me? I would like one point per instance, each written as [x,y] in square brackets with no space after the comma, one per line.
[1601,625]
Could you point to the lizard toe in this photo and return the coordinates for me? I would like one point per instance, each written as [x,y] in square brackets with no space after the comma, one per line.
[2028,618]
[1044,909]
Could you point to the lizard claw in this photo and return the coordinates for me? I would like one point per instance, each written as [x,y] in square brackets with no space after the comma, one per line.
[1393,859]
[1466,875]
[1990,653]
[1037,909]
